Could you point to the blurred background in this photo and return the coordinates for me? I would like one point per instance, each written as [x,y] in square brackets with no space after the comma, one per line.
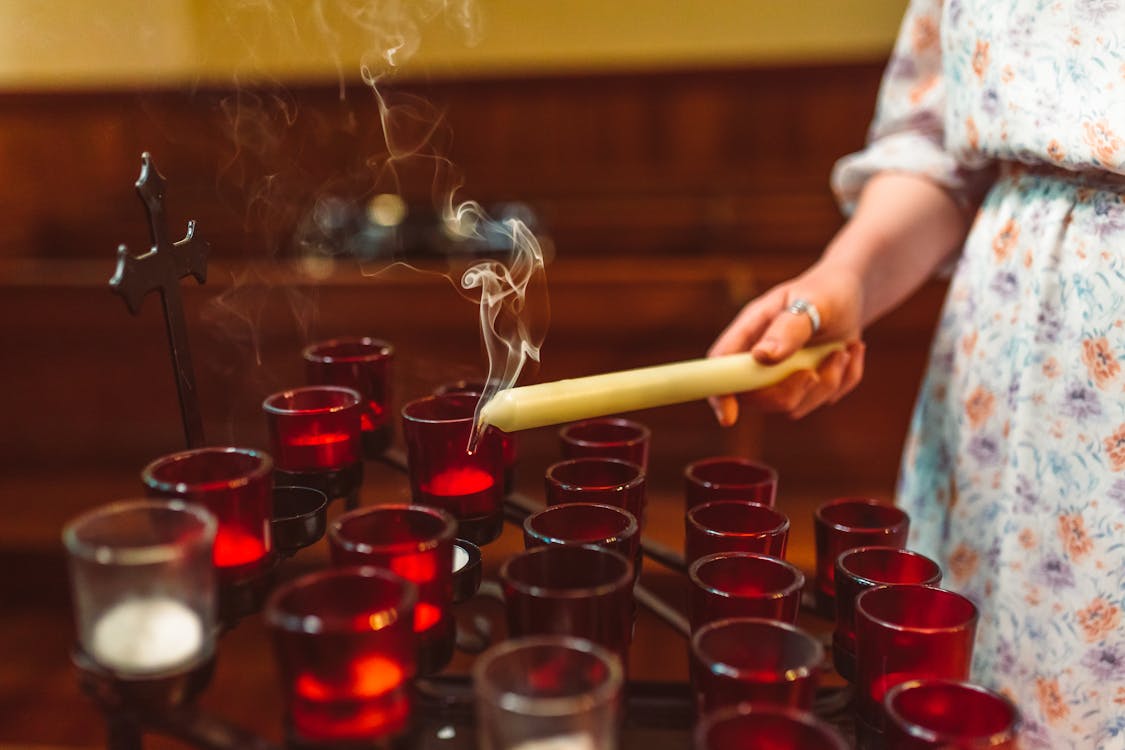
[672,158]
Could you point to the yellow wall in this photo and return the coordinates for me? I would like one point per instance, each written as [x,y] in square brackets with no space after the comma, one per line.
[88,43]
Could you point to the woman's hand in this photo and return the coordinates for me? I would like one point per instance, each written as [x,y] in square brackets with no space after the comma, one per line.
[766,328]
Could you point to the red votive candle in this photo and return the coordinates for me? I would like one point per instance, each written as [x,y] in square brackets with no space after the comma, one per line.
[316,428]
[609,437]
[909,632]
[743,584]
[734,526]
[581,591]
[602,526]
[863,568]
[476,388]
[444,474]
[949,715]
[764,727]
[751,660]
[416,542]
[846,523]
[608,481]
[236,485]
[364,365]
[345,646]
[729,478]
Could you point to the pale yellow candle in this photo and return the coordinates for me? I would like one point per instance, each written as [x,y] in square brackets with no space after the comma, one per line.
[616,392]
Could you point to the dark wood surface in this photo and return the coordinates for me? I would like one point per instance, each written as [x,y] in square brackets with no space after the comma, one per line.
[668,199]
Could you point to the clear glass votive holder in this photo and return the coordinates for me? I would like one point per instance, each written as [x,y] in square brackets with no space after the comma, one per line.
[608,481]
[752,660]
[344,643]
[908,632]
[548,692]
[507,441]
[415,542]
[734,526]
[236,486]
[580,591]
[364,365]
[949,715]
[864,568]
[443,474]
[143,586]
[765,727]
[604,526]
[845,523]
[729,478]
[608,437]
[744,584]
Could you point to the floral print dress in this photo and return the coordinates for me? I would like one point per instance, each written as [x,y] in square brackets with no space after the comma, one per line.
[1014,471]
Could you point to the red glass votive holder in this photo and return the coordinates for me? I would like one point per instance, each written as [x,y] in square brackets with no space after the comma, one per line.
[345,646]
[751,660]
[608,481]
[744,584]
[416,542]
[863,568]
[846,523]
[580,591]
[364,365]
[949,715]
[507,441]
[765,727]
[908,632]
[236,485]
[729,478]
[609,437]
[443,474]
[604,526]
[316,428]
[734,526]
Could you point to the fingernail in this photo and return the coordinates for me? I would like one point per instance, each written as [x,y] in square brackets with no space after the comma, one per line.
[766,348]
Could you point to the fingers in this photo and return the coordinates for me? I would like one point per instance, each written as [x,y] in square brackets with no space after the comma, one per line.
[725,408]
[786,395]
[748,326]
[805,391]
[853,373]
[831,373]
[786,334]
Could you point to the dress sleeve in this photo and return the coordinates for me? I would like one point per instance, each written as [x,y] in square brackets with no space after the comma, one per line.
[908,132]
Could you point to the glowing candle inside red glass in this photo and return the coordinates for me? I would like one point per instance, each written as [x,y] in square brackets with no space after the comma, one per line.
[442,472]
[315,429]
[507,442]
[344,643]
[236,485]
[415,542]
[364,365]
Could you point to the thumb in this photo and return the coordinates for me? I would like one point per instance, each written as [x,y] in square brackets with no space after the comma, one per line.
[786,334]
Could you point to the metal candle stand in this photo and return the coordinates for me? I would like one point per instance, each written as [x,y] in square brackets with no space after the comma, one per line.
[658,715]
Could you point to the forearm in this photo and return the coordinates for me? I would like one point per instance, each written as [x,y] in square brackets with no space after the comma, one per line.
[903,229]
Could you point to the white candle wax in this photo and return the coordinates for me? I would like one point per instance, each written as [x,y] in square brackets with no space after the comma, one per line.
[460,558]
[143,636]
[616,392]
[559,742]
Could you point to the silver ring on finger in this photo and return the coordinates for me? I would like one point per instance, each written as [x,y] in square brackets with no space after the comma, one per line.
[802,306]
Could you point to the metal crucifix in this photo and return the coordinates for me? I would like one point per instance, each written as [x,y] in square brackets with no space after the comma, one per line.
[161,269]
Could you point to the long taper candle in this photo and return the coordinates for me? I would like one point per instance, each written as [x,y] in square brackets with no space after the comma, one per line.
[644,388]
